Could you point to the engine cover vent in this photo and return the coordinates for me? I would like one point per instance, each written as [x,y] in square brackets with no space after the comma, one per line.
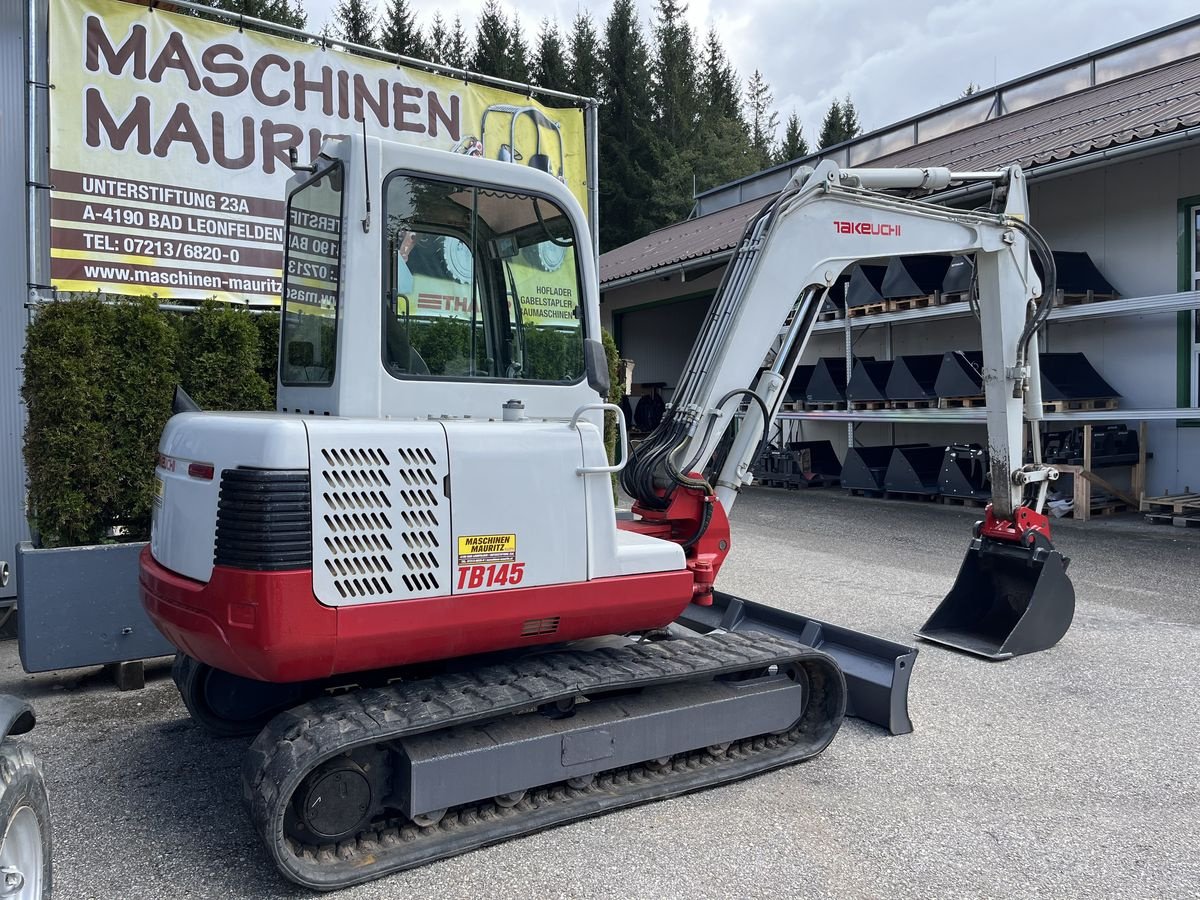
[534,627]
[381,524]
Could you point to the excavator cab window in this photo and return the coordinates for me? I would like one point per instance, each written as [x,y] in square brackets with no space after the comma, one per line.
[311,279]
[479,283]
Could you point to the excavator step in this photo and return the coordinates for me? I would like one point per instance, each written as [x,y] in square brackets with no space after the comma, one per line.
[340,788]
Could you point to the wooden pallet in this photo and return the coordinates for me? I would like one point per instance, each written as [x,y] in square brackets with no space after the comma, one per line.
[969,502]
[912,404]
[811,407]
[911,496]
[868,404]
[858,492]
[1178,504]
[1080,403]
[940,299]
[961,402]
[871,309]
[1110,508]
[903,304]
[1177,521]
[1077,299]
[829,315]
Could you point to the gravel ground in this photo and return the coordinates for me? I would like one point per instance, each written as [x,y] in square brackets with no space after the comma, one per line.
[1070,773]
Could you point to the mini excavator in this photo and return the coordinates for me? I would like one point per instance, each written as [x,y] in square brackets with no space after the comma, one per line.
[412,581]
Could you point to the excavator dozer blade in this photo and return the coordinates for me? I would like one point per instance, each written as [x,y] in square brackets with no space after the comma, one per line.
[876,670]
[1007,600]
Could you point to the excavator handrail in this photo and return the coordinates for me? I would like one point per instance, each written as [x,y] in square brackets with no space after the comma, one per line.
[623,437]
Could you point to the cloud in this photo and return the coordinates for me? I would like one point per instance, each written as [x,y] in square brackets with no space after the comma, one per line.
[895,59]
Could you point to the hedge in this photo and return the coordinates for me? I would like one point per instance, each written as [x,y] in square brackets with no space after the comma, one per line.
[99,378]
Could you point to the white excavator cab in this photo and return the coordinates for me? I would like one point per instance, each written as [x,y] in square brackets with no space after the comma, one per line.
[474,289]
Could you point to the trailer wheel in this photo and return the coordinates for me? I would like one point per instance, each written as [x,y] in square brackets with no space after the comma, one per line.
[25,848]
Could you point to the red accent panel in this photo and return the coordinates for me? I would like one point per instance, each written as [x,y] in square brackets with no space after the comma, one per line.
[679,522]
[289,636]
[293,637]
[1017,529]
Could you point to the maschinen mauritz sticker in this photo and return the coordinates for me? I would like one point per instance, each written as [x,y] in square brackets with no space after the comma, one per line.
[474,549]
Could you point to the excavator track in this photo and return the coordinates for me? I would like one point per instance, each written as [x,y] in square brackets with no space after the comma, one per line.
[332,731]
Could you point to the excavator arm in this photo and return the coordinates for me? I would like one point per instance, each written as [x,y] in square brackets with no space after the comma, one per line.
[790,254]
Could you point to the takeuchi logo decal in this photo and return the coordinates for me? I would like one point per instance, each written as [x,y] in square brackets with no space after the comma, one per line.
[883,229]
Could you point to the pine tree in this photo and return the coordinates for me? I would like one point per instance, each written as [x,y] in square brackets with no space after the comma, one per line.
[834,126]
[794,145]
[281,12]
[493,41]
[585,66]
[674,73]
[399,32]
[550,64]
[763,120]
[439,40]
[971,88]
[354,22]
[851,128]
[459,50]
[517,68]
[628,147]
[720,90]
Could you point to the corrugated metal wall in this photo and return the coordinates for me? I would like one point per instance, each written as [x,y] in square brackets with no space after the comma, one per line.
[12,278]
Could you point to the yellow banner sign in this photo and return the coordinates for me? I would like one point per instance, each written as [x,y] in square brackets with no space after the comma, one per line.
[169,140]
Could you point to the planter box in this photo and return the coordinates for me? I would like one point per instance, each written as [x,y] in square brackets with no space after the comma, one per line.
[79,606]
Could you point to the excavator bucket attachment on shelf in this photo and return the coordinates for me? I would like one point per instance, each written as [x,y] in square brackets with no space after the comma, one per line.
[876,670]
[1008,599]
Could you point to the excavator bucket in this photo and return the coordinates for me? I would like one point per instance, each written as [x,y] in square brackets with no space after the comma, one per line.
[1008,599]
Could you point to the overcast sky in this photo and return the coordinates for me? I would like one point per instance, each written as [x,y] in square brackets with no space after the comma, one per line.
[894,58]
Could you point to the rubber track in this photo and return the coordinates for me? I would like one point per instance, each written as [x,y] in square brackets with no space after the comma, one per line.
[298,740]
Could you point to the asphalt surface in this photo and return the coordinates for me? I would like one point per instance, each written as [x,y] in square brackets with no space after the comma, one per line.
[1069,773]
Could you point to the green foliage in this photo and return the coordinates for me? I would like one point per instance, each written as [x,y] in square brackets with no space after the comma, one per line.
[500,48]
[281,12]
[552,354]
[220,365]
[459,47]
[630,151]
[584,62]
[794,145]
[438,45]
[616,391]
[841,123]
[764,121]
[267,324]
[98,384]
[99,378]
[140,383]
[673,74]
[354,22]
[441,343]
[399,32]
[550,62]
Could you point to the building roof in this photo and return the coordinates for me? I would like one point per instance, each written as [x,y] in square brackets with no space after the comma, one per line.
[707,236]
[1140,106]
[1123,110]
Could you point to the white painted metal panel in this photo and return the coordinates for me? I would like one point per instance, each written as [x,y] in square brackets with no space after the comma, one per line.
[183,532]
[381,518]
[518,478]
